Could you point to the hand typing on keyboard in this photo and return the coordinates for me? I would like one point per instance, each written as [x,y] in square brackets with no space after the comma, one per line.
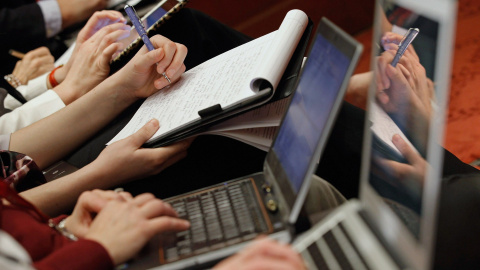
[263,253]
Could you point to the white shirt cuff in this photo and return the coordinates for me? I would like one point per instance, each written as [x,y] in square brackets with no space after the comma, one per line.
[34,88]
[30,112]
[4,141]
[52,16]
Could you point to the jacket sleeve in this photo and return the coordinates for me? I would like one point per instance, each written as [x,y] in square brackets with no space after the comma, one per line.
[82,254]
[22,24]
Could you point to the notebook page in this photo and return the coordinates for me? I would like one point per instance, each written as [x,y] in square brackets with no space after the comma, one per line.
[222,80]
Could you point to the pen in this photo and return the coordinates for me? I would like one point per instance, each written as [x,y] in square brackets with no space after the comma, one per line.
[140,28]
[16,54]
[402,47]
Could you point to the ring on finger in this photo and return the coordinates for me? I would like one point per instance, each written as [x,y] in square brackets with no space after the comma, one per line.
[166,77]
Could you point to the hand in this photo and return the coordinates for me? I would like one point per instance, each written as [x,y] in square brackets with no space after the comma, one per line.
[413,172]
[140,77]
[123,226]
[76,11]
[126,160]
[94,24]
[393,38]
[91,64]
[88,205]
[410,67]
[263,254]
[405,93]
[34,63]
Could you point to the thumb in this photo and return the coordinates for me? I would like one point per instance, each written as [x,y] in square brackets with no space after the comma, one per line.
[145,133]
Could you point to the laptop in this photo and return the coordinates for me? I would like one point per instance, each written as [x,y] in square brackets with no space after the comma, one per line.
[227,216]
[392,224]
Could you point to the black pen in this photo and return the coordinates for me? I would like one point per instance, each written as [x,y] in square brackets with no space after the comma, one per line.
[402,47]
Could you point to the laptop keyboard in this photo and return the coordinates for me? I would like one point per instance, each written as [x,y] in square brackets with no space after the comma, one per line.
[334,249]
[219,217]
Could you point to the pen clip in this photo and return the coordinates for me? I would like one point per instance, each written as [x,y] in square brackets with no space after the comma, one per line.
[136,15]
[407,39]
[404,43]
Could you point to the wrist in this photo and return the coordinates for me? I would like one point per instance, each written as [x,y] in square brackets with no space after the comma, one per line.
[12,80]
[62,228]
[60,74]
[53,82]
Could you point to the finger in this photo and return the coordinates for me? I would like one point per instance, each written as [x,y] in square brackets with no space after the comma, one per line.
[145,133]
[382,62]
[396,169]
[157,208]
[167,224]
[143,198]
[162,81]
[38,52]
[407,75]
[92,201]
[126,196]
[117,33]
[103,35]
[175,55]
[110,195]
[170,161]
[145,59]
[108,53]
[406,150]
[163,157]
[97,21]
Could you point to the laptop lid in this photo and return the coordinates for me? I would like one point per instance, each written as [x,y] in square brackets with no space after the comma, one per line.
[401,194]
[306,125]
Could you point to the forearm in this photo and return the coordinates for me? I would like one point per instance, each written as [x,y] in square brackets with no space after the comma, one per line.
[50,139]
[59,196]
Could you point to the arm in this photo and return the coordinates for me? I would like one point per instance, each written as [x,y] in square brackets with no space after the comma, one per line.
[49,140]
[118,163]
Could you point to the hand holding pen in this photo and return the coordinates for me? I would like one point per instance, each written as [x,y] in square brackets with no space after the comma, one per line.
[406,41]
[145,68]
[140,28]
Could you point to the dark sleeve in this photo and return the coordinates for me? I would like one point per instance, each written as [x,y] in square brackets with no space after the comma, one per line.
[22,24]
[458,238]
[82,254]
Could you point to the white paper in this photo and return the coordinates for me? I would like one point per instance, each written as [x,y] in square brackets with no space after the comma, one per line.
[267,115]
[261,137]
[222,80]
[384,127]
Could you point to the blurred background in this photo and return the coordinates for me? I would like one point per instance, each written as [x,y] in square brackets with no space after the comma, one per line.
[256,18]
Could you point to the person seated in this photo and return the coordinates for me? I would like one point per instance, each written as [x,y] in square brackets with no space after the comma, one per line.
[88,66]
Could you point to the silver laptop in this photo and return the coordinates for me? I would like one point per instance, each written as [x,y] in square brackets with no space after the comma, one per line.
[225,217]
[392,225]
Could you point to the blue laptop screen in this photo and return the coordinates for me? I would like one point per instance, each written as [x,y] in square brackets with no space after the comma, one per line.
[306,118]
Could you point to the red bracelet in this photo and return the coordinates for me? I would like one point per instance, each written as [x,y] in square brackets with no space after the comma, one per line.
[51,77]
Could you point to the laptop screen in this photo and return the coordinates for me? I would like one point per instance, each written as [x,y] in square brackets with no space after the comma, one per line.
[310,109]
[314,106]
[402,164]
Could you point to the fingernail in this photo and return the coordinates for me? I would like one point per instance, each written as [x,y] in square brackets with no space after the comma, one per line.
[186,223]
[153,123]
